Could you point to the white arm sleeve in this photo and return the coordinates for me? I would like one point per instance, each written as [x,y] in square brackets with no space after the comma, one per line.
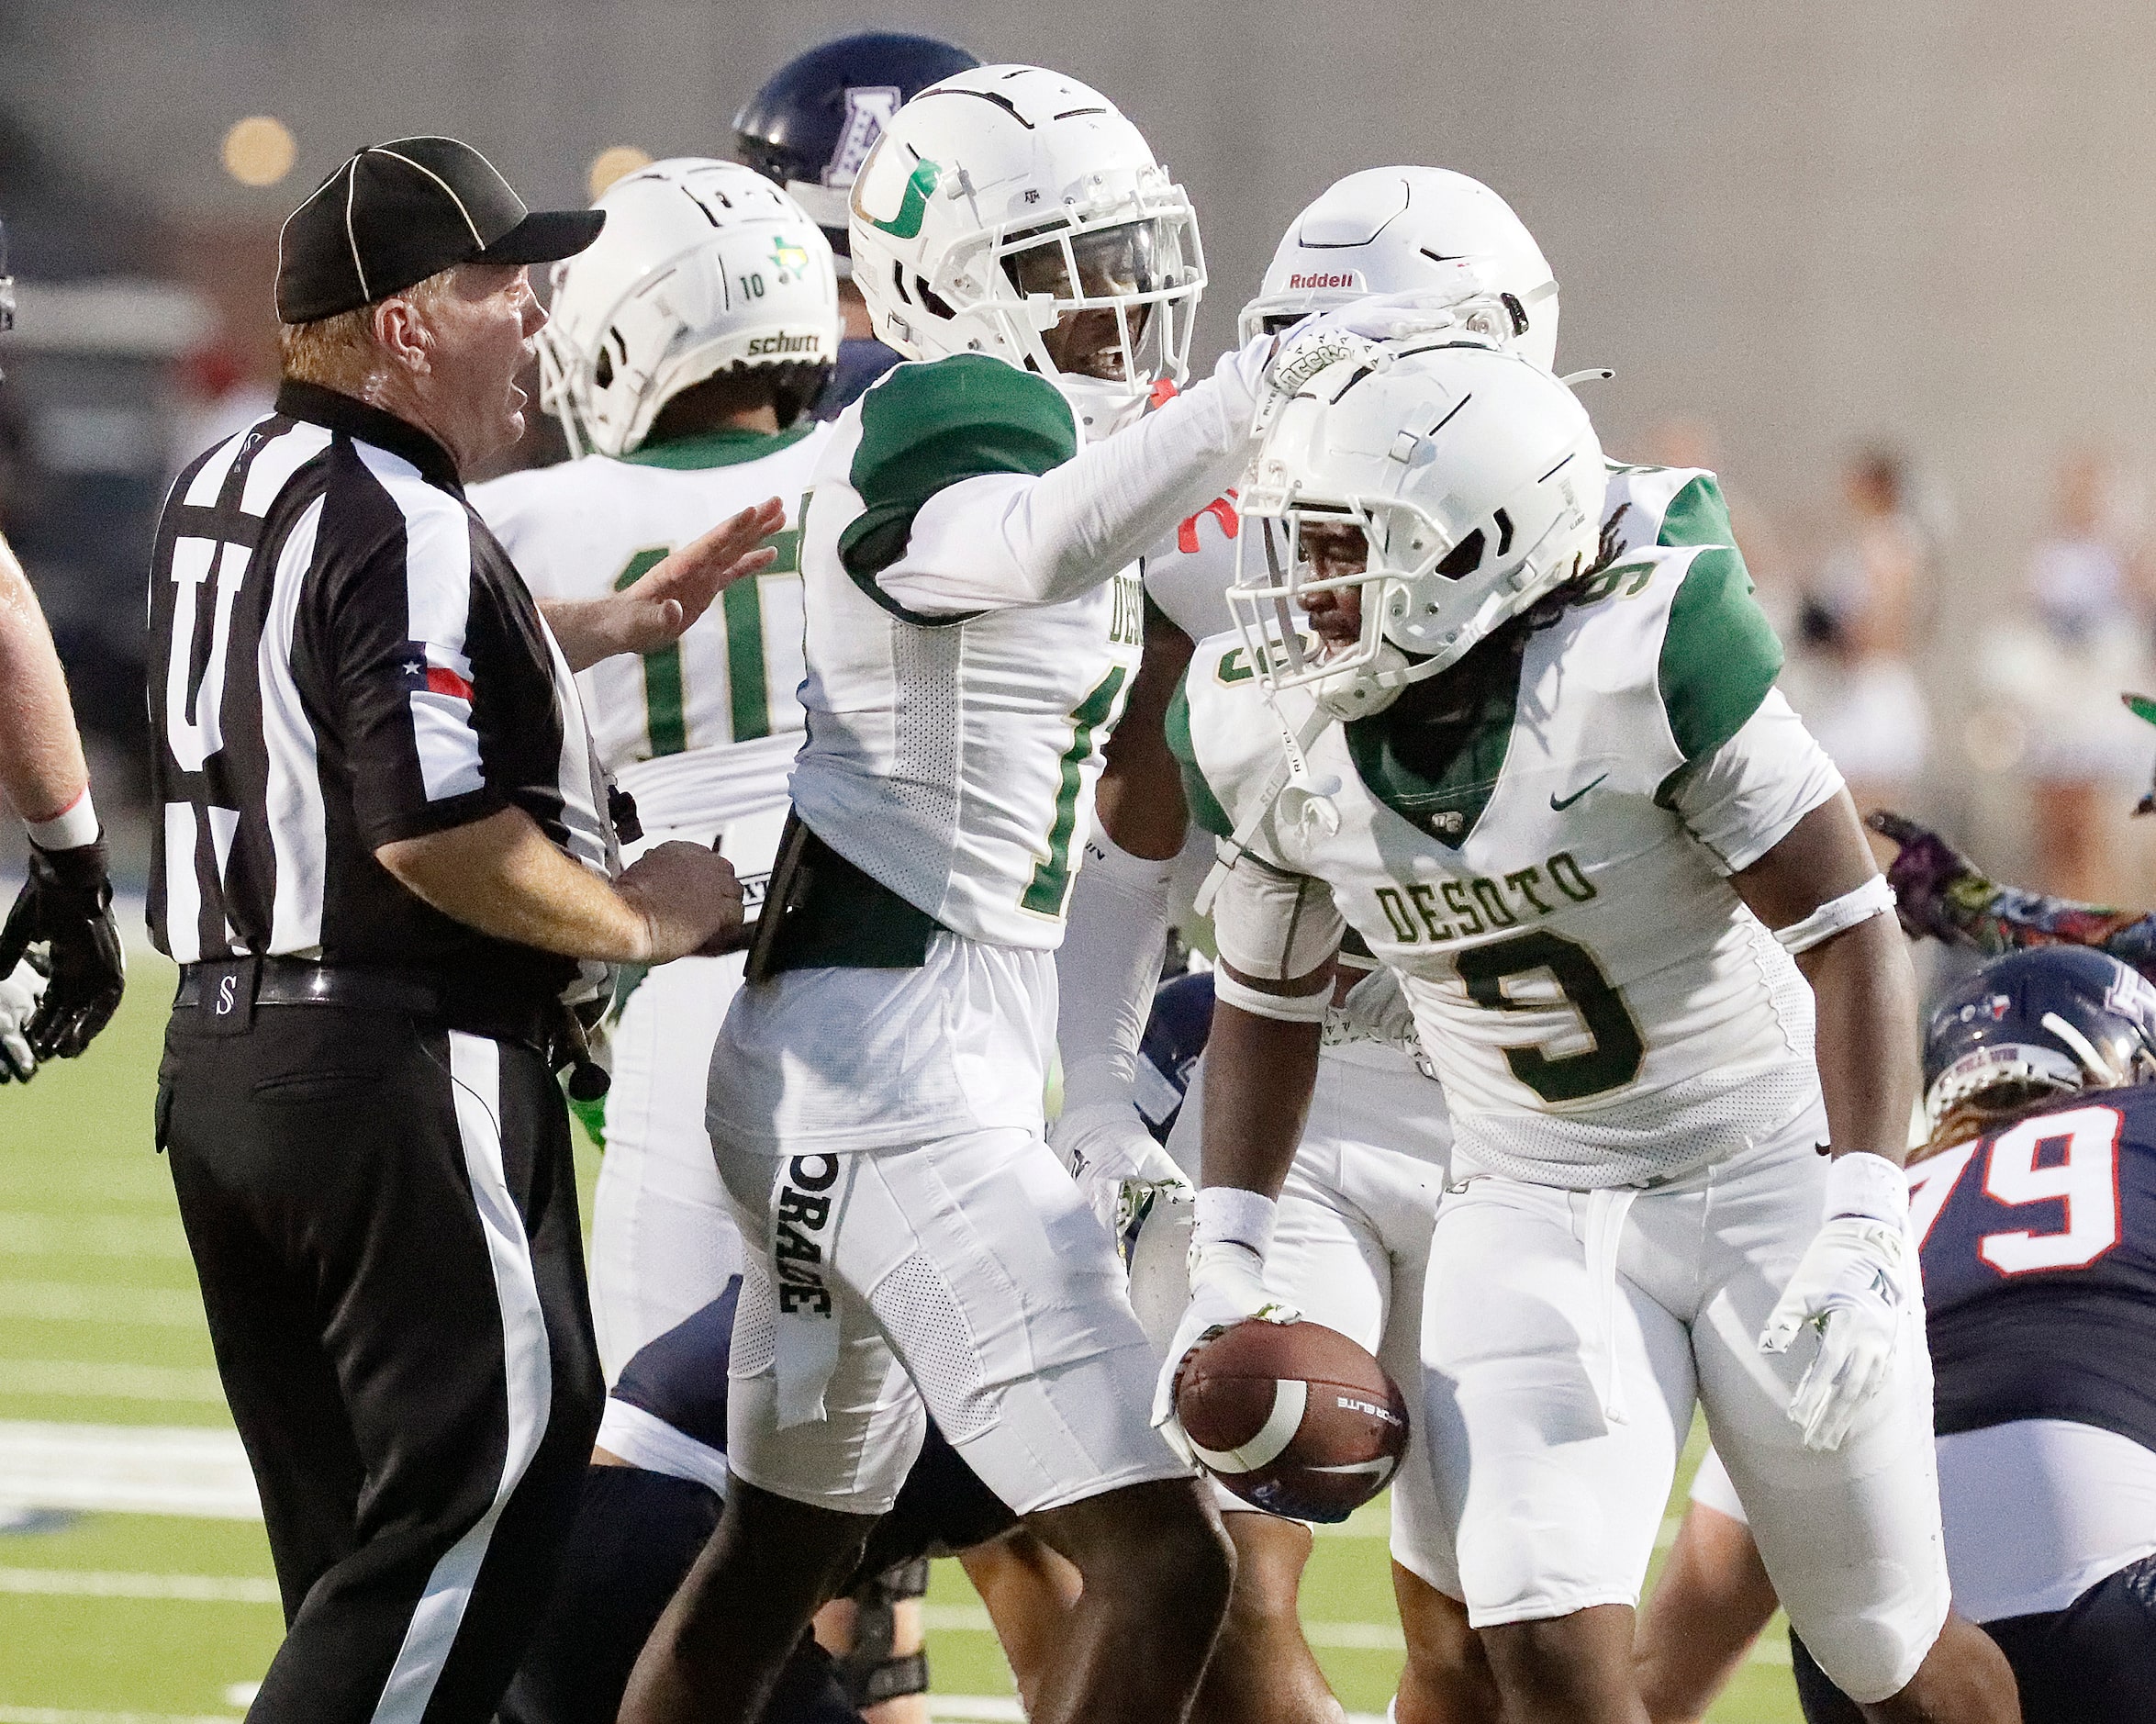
[1742,800]
[1273,925]
[1007,539]
[1106,969]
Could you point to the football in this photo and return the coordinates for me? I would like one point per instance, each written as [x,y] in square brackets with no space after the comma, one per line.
[1294,1417]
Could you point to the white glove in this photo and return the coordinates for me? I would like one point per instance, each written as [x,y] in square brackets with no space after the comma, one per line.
[1849,1286]
[1374,1011]
[1227,1286]
[1354,331]
[1114,1157]
[19,995]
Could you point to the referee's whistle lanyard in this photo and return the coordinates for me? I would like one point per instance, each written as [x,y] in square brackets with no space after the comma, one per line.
[809,1199]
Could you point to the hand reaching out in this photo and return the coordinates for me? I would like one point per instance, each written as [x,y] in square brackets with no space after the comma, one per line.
[680,589]
[1928,877]
[654,611]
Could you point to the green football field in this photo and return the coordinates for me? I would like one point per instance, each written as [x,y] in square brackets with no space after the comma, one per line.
[170,1614]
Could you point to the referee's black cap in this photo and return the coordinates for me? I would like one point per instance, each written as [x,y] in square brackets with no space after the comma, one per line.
[399,212]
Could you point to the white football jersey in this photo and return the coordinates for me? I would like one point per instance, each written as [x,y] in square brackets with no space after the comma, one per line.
[1187,576]
[1596,1000]
[702,732]
[952,757]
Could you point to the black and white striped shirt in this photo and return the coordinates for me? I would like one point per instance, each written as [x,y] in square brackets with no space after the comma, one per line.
[340,656]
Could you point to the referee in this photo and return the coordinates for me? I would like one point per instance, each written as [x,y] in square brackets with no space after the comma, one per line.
[382,850]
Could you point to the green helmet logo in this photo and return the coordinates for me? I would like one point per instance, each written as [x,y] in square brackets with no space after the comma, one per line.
[920,187]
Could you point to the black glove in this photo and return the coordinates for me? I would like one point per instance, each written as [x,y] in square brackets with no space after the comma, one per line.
[66,907]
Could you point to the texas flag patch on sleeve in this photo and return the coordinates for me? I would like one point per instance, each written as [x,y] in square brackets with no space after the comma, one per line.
[436,670]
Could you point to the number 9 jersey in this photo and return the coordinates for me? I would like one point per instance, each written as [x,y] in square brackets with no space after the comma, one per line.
[1600,1005]
[702,732]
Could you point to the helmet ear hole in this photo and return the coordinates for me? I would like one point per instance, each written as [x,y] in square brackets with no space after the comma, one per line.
[602,372]
[899,280]
[931,301]
[1464,558]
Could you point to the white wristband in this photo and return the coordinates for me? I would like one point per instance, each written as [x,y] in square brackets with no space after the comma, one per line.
[1283,1008]
[74,826]
[1227,1215]
[1838,915]
[1860,1184]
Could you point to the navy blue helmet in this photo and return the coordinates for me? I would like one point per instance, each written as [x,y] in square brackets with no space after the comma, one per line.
[812,124]
[2046,1021]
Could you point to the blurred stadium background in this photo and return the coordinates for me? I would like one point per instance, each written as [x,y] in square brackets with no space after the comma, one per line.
[1887,268]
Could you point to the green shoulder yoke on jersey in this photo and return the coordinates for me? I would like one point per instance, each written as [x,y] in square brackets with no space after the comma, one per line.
[1205,807]
[927,426]
[1719,654]
[1696,514]
[722,446]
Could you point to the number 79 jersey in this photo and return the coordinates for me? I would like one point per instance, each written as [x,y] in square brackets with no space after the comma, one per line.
[702,732]
[2039,1247]
[1598,1003]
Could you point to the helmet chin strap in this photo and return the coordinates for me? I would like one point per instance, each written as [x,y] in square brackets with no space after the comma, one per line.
[1365,690]
[1102,406]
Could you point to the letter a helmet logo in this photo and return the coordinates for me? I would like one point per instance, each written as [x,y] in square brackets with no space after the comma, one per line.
[869,111]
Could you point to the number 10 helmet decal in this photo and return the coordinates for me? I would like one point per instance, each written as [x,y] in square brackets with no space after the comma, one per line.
[702,266]
[1475,481]
[1013,211]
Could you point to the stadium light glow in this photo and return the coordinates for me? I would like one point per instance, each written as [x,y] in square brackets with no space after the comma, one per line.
[610,165]
[259,149]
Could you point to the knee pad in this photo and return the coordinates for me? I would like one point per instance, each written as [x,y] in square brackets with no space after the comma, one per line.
[867,1671]
[1867,1659]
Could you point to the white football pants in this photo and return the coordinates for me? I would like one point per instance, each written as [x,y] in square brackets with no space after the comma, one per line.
[1566,1336]
[662,1241]
[1351,1244]
[967,1273]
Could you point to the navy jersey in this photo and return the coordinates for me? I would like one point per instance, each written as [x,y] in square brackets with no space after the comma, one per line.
[679,1378]
[2038,1243]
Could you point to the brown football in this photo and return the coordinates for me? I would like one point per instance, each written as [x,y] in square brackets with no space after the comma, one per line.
[1294,1417]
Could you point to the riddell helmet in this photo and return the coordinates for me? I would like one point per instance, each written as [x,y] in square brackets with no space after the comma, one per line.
[1392,231]
[1006,198]
[702,266]
[811,126]
[2050,1020]
[1477,481]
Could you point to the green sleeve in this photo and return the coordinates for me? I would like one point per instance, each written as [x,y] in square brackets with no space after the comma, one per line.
[1205,807]
[1697,515]
[928,426]
[1719,654]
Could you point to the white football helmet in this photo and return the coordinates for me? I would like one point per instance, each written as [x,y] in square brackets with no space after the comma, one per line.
[702,265]
[1476,481]
[1005,199]
[1392,231]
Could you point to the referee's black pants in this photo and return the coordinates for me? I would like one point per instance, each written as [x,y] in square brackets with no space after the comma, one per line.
[383,1214]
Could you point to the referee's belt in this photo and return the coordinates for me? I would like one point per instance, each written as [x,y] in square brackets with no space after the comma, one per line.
[226,992]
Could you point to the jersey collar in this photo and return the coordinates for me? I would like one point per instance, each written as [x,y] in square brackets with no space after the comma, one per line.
[1454,770]
[355,419]
[725,446]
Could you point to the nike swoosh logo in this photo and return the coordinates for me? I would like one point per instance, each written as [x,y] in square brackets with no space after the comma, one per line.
[1576,795]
